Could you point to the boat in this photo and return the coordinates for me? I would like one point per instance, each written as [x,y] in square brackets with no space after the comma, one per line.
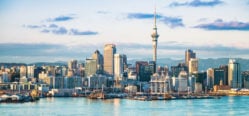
[97,95]
[142,98]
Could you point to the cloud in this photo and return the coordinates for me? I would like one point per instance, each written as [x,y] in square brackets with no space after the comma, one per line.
[32,26]
[142,16]
[172,22]
[60,18]
[197,3]
[77,32]
[59,31]
[53,26]
[222,25]
[103,12]
[45,31]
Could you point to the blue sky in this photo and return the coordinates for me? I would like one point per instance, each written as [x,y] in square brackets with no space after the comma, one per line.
[53,30]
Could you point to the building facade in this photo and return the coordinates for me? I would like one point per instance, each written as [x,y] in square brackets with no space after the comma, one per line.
[193,65]
[234,76]
[109,51]
[90,67]
[188,55]
[99,59]
[118,67]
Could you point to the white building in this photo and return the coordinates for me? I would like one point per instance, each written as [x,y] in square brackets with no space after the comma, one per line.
[23,71]
[183,81]
[30,72]
[160,84]
[118,66]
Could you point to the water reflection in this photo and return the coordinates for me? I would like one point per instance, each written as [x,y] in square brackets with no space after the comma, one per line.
[116,103]
[126,107]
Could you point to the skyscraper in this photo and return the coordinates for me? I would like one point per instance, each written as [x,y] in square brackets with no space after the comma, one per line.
[99,59]
[188,55]
[144,71]
[193,65]
[154,36]
[225,68]
[109,51]
[210,78]
[23,71]
[119,66]
[125,61]
[245,77]
[91,67]
[72,65]
[234,76]
[31,71]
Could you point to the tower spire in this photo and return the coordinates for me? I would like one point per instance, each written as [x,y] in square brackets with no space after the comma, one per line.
[155,16]
[154,36]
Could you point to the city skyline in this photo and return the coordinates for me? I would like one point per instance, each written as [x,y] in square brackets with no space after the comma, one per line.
[61,30]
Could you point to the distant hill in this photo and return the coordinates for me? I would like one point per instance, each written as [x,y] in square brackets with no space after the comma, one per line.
[204,64]
[58,63]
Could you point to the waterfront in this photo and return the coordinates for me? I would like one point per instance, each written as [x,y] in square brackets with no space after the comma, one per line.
[228,105]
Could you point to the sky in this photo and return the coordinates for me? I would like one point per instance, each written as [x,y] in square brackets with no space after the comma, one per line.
[60,30]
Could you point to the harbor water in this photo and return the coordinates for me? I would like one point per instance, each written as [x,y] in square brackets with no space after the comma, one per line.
[229,105]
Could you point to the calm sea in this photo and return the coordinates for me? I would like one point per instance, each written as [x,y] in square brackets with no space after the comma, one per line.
[234,106]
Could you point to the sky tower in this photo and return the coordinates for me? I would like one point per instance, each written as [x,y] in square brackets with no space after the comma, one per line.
[154,36]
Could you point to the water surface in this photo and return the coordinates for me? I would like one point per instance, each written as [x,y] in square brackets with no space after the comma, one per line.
[237,105]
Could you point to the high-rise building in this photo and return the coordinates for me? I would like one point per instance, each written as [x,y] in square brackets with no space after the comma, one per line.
[201,77]
[154,36]
[225,69]
[210,78]
[191,82]
[183,81]
[109,51]
[193,65]
[31,71]
[125,61]
[99,58]
[144,71]
[37,71]
[218,76]
[118,67]
[245,77]
[91,67]
[234,76]
[72,67]
[138,65]
[51,70]
[4,77]
[188,55]
[175,70]
[72,64]
[23,71]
